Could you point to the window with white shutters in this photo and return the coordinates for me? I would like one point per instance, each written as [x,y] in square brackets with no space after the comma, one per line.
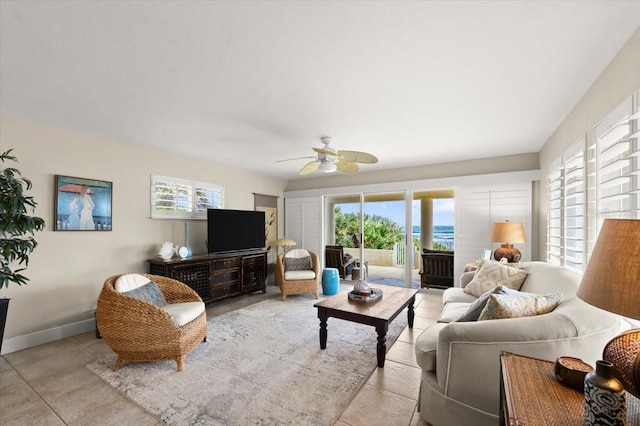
[597,178]
[173,198]
[566,209]
[614,177]
[574,198]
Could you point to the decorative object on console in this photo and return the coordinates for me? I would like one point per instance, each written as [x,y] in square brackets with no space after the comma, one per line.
[612,282]
[604,398]
[507,233]
[185,251]
[167,250]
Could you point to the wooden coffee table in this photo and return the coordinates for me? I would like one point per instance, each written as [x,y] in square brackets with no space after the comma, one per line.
[378,314]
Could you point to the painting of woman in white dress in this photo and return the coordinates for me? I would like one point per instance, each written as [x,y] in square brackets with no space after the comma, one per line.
[86,216]
[82,204]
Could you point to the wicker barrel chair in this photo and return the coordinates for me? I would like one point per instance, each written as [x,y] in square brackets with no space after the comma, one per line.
[137,330]
[300,279]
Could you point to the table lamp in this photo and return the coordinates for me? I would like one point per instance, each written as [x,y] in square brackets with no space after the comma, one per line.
[507,233]
[612,282]
[285,242]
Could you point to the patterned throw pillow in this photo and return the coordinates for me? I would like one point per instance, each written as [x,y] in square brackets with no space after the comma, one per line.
[503,306]
[492,275]
[481,262]
[473,311]
[149,293]
[297,263]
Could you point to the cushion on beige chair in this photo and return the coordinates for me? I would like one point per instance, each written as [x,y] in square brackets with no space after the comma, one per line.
[183,313]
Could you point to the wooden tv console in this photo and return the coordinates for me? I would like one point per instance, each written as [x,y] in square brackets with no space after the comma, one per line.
[217,276]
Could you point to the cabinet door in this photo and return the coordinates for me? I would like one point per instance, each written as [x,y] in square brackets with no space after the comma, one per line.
[254,272]
[196,276]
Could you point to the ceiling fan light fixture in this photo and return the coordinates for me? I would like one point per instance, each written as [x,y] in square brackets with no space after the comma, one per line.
[327,167]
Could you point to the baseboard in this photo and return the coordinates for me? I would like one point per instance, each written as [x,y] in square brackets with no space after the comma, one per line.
[25,341]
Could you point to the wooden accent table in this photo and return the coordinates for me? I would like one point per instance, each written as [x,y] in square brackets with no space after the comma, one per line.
[530,395]
[378,314]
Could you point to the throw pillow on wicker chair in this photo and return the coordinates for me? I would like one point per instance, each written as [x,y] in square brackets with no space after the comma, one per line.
[297,258]
[150,293]
[139,286]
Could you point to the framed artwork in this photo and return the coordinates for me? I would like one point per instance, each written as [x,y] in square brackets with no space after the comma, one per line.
[82,204]
[269,205]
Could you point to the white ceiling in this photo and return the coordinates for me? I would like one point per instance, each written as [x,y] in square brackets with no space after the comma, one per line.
[248,83]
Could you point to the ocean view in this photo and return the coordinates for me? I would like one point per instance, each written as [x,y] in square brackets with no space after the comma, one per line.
[441,234]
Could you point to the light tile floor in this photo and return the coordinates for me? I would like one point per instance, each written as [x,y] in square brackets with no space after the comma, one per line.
[48,385]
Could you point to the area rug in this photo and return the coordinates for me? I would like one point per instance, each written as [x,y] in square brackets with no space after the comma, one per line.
[261,365]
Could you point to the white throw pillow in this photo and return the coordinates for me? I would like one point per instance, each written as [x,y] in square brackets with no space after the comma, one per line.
[128,282]
[491,275]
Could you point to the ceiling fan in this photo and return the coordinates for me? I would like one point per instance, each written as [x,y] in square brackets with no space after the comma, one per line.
[328,160]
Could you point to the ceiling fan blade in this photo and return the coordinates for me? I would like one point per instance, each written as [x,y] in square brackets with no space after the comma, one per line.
[325,151]
[347,167]
[310,168]
[297,158]
[357,157]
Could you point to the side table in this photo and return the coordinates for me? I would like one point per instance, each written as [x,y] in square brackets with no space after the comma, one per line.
[530,395]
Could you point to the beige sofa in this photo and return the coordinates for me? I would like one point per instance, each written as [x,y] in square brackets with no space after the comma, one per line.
[460,360]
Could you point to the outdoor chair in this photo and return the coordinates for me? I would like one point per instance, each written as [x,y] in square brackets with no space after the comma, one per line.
[437,269]
[336,258]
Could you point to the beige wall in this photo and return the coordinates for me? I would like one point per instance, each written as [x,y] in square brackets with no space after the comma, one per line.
[616,83]
[67,269]
[509,163]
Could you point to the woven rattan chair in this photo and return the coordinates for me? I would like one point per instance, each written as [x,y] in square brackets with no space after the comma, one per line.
[298,286]
[140,331]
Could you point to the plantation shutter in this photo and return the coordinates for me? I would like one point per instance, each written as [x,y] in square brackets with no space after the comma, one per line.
[174,198]
[573,207]
[555,215]
[615,175]
[303,223]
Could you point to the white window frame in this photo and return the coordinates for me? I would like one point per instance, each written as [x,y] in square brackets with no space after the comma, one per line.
[566,209]
[598,177]
[614,177]
[187,199]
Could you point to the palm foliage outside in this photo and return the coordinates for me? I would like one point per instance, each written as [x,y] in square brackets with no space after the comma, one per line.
[381,232]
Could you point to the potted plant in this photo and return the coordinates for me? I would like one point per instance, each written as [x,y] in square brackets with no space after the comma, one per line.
[17,229]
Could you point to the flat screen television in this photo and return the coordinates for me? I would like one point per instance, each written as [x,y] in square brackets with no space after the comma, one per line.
[234,230]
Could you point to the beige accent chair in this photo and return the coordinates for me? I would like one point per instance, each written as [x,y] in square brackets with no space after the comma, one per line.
[460,361]
[137,330]
[293,280]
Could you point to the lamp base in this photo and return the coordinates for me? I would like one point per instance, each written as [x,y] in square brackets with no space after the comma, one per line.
[509,251]
[623,351]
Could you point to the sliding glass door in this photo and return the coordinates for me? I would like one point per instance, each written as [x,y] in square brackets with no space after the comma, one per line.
[395,227]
